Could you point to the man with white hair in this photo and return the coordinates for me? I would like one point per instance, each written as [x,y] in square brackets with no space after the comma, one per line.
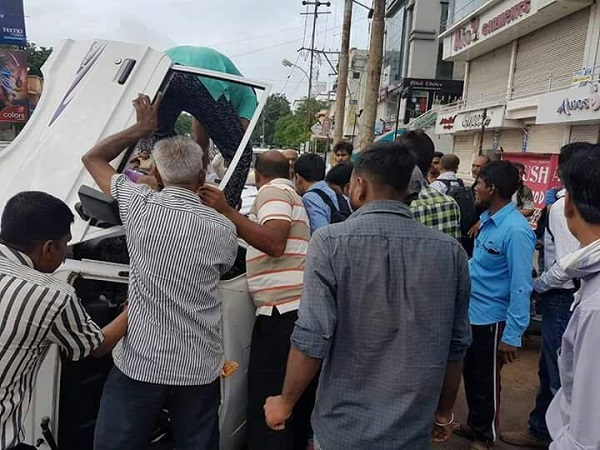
[172,353]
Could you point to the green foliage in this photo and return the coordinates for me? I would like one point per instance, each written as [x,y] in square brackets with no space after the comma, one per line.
[293,129]
[277,106]
[183,125]
[36,57]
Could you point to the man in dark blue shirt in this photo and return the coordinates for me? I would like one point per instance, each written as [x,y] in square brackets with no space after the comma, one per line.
[500,270]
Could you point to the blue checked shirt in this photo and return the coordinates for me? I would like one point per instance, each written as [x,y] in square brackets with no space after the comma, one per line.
[385,306]
[438,211]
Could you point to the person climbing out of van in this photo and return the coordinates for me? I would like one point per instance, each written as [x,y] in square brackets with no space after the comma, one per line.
[172,354]
[36,309]
[222,110]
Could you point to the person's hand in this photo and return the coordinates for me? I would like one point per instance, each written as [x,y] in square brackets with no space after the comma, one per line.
[474,231]
[507,353]
[146,113]
[442,428]
[214,197]
[277,411]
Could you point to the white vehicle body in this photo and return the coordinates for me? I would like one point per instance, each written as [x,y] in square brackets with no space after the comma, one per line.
[88,91]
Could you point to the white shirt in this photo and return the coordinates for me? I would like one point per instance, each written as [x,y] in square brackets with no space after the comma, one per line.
[443,187]
[557,244]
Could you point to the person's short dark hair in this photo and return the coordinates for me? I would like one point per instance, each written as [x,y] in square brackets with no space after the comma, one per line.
[450,162]
[311,167]
[569,150]
[388,164]
[30,218]
[438,155]
[340,174]
[519,166]
[503,175]
[421,146]
[581,175]
[344,147]
[270,168]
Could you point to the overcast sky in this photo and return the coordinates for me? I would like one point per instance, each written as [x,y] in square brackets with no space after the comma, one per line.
[255,34]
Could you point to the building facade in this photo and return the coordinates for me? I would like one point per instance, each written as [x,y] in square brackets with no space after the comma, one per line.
[530,80]
[415,76]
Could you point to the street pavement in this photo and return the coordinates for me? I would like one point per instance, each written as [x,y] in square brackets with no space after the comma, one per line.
[519,386]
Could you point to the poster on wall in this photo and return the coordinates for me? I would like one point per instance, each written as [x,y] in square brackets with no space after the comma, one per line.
[14,93]
[541,173]
[12,23]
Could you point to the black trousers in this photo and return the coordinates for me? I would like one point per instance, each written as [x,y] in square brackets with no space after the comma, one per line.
[266,372]
[481,374]
[219,118]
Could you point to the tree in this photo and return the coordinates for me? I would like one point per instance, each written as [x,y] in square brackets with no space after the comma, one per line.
[183,125]
[293,129]
[36,57]
[277,106]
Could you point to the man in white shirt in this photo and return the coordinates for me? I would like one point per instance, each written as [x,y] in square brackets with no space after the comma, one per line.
[556,289]
[448,168]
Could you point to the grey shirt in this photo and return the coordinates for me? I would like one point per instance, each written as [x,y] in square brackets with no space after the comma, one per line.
[385,306]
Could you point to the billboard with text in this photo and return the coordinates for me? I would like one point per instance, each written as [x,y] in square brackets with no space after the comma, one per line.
[14,92]
[12,23]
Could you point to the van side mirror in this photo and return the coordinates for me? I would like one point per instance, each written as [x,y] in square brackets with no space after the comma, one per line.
[101,210]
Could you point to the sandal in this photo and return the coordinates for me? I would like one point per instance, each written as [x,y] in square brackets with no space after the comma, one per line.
[463,431]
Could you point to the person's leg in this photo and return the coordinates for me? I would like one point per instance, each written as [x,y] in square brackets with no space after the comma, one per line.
[222,123]
[266,372]
[128,413]
[482,381]
[195,416]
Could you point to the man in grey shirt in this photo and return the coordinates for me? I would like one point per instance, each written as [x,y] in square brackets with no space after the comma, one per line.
[385,309]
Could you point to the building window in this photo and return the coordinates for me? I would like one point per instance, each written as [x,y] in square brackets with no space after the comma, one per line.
[394,45]
[355,75]
[354,102]
[444,69]
[444,16]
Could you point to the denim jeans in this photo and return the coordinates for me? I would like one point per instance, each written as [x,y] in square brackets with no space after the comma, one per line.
[129,411]
[555,309]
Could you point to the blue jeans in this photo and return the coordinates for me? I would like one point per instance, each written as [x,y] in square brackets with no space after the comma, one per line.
[555,309]
[129,412]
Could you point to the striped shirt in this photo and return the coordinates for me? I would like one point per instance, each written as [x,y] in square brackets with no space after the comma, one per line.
[178,250]
[277,282]
[36,310]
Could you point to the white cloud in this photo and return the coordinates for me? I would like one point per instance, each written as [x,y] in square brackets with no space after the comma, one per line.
[256,34]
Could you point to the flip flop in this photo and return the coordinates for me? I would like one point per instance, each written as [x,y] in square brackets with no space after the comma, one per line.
[463,431]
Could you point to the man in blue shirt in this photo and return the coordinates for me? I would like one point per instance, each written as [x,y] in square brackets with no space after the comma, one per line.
[501,277]
[311,185]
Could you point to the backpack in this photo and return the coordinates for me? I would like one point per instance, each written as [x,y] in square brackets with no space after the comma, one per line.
[463,195]
[337,215]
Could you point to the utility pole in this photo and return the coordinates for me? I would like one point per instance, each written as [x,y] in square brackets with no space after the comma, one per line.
[373,73]
[342,79]
[317,4]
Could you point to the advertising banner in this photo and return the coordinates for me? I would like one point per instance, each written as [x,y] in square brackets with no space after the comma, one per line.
[12,23]
[541,173]
[14,93]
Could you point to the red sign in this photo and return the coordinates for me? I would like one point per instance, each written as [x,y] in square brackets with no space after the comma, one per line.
[14,93]
[467,35]
[541,173]
[447,123]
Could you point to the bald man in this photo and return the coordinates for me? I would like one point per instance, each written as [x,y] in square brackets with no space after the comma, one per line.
[277,232]
[292,157]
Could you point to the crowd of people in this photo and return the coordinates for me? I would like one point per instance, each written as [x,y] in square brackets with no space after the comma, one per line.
[378,286]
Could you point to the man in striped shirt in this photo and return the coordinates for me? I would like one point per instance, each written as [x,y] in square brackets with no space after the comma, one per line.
[37,310]
[278,232]
[172,355]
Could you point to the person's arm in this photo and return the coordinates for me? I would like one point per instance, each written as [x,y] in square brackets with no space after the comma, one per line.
[269,235]
[519,253]
[313,334]
[582,431]
[97,160]
[459,344]
[318,212]
[78,336]
[113,333]
[554,278]
[200,135]
[528,202]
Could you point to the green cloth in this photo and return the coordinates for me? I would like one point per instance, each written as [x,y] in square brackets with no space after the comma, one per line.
[241,97]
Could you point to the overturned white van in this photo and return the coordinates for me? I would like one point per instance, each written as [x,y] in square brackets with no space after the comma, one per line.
[88,90]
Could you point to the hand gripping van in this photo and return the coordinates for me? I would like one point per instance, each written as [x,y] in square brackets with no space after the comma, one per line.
[89,87]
